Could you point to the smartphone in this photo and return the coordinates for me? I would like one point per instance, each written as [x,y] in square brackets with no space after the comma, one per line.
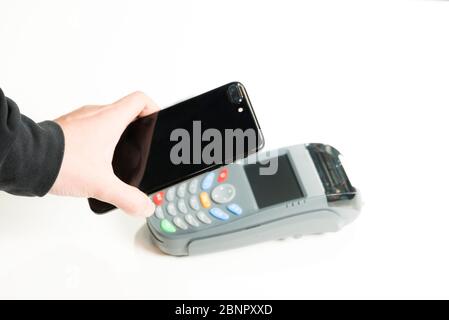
[177,143]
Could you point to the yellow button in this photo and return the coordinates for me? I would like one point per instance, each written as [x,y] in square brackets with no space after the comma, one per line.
[205,200]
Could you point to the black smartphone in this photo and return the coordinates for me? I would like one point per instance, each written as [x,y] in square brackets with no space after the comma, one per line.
[185,140]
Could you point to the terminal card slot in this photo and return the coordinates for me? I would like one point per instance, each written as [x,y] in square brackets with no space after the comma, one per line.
[332,174]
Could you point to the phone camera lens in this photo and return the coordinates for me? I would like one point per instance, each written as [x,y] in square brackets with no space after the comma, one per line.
[235,94]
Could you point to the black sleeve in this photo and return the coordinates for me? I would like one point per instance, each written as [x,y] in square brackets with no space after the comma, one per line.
[30,153]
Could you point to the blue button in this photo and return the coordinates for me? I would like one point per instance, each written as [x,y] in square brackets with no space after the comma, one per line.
[219,214]
[235,209]
[208,181]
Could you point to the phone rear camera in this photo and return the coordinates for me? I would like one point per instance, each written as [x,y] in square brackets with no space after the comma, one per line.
[235,94]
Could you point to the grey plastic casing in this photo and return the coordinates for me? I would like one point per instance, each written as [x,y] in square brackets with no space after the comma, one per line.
[311,214]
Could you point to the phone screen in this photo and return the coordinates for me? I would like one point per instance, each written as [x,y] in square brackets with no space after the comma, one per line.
[185,140]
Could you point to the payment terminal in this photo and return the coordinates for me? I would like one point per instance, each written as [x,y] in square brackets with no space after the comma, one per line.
[293,191]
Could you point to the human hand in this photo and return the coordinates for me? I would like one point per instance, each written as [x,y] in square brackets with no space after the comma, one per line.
[91,135]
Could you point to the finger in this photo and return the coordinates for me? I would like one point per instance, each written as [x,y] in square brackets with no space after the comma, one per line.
[135,105]
[128,198]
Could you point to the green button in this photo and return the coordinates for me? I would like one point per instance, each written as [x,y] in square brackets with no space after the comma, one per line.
[167,226]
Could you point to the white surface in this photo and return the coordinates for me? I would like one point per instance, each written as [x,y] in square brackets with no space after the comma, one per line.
[369,77]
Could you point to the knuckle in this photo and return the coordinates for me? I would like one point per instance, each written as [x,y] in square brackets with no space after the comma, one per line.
[139,95]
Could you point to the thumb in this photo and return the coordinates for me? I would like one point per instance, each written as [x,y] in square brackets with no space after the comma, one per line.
[128,198]
[133,106]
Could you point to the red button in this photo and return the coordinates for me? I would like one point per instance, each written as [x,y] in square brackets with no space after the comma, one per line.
[223,176]
[158,198]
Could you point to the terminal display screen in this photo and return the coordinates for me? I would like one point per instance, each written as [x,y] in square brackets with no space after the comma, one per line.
[271,189]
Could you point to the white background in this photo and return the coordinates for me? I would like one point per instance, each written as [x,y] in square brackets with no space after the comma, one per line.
[369,77]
